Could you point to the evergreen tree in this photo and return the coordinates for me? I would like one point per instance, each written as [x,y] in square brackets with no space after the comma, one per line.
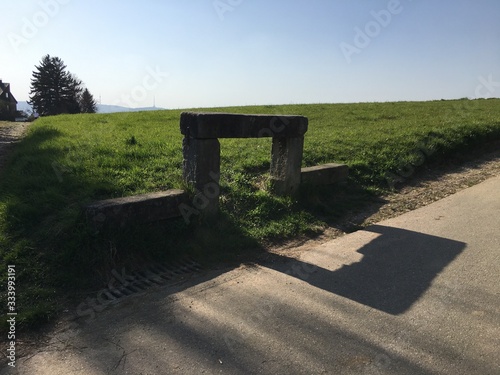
[53,89]
[87,102]
[71,94]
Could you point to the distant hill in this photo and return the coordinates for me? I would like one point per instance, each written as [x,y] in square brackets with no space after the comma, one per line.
[101,108]
[104,108]
[24,106]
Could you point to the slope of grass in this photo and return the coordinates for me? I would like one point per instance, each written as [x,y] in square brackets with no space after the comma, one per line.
[65,162]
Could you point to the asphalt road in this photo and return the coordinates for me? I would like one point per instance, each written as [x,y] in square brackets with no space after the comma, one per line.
[417,294]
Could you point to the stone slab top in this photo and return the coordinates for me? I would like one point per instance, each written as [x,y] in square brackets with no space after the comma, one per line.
[325,174]
[324,167]
[205,125]
[149,197]
[138,209]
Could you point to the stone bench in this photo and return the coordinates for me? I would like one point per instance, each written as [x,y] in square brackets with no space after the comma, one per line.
[201,152]
[198,125]
[201,148]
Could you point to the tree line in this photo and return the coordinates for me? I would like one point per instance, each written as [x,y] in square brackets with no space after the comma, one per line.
[54,90]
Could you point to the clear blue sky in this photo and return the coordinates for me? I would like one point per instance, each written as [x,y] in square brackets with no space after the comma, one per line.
[201,53]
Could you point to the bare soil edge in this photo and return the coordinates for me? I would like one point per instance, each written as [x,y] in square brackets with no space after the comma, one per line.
[435,183]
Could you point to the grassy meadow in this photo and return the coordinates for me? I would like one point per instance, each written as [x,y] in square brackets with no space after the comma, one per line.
[65,162]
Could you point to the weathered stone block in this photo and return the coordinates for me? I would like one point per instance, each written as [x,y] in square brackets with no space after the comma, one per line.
[202,170]
[146,208]
[230,125]
[202,150]
[286,160]
[325,174]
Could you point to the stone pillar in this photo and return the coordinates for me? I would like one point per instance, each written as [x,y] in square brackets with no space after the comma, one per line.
[286,162]
[201,167]
[202,150]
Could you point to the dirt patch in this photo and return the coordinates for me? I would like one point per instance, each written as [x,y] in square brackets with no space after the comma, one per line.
[10,133]
[433,186]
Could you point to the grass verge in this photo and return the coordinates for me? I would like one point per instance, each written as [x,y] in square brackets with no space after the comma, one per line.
[65,162]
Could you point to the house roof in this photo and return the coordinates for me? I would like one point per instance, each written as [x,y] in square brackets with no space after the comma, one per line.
[5,87]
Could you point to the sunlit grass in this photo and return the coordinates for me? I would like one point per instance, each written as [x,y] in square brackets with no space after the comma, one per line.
[65,162]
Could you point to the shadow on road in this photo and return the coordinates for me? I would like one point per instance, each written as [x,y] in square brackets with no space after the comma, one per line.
[396,269]
[222,324]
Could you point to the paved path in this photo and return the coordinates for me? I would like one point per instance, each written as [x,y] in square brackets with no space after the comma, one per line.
[418,294]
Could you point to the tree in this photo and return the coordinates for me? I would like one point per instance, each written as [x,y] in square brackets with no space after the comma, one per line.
[54,90]
[87,102]
[71,95]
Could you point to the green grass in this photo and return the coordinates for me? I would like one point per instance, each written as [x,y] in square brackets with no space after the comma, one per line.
[65,162]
